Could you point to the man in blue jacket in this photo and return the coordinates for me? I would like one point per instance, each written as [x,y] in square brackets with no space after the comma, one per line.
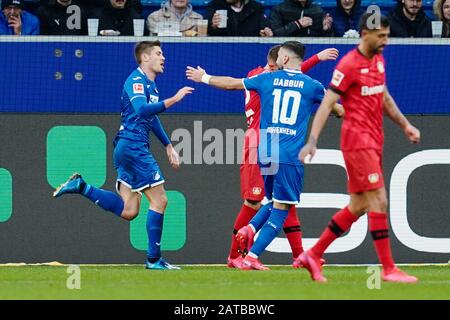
[348,13]
[16,21]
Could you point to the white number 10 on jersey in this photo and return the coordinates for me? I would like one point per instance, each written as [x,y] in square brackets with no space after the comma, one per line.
[284,100]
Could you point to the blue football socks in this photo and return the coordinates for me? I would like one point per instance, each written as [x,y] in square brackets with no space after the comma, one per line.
[107,200]
[269,231]
[154,233]
[261,216]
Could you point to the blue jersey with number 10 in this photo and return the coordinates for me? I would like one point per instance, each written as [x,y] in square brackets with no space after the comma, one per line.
[287,99]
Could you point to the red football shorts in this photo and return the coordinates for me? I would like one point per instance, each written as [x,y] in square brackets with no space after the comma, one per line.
[252,183]
[364,169]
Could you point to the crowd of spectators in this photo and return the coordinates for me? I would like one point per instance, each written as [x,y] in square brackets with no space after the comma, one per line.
[288,18]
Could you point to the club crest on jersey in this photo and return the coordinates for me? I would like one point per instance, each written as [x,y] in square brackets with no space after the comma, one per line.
[374,177]
[380,67]
[337,78]
[256,191]
[138,88]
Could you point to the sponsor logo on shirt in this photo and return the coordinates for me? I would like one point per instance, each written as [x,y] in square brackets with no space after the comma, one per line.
[154,99]
[137,78]
[368,91]
[337,78]
[281,130]
[373,177]
[364,70]
[138,88]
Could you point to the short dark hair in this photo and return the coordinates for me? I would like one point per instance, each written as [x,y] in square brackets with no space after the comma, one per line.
[295,47]
[367,17]
[142,46]
[273,52]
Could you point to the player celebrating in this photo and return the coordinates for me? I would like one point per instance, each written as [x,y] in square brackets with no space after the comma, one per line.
[287,97]
[359,80]
[252,184]
[136,168]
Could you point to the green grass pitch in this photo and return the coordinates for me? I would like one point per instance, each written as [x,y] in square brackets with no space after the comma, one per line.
[214,283]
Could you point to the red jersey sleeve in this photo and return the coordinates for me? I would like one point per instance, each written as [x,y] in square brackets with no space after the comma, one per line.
[310,63]
[343,76]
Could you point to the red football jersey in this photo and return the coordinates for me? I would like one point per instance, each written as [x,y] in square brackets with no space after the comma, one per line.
[361,82]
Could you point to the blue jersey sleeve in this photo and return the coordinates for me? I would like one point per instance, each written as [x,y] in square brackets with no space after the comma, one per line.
[319,92]
[256,82]
[136,93]
[159,132]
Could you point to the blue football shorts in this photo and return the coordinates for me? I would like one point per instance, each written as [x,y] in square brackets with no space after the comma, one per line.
[283,183]
[135,165]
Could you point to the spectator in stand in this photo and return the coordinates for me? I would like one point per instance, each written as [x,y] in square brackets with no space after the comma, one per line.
[408,20]
[16,21]
[442,11]
[59,17]
[244,18]
[300,18]
[116,18]
[175,11]
[348,13]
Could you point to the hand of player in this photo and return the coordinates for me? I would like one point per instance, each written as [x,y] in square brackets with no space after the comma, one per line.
[174,158]
[182,93]
[327,22]
[266,32]
[309,149]
[215,21]
[328,54]
[16,23]
[305,22]
[195,74]
[412,133]
[338,110]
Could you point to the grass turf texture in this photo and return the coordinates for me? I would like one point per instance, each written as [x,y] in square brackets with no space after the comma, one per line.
[215,282]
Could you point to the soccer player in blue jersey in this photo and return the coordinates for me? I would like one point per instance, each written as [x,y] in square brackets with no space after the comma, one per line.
[287,98]
[137,170]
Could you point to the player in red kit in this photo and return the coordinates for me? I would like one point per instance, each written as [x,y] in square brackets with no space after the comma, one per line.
[252,184]
[359,81]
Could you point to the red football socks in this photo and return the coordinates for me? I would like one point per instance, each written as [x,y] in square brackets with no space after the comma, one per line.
[378,227]
[244,216]
[339,224]
[293,232]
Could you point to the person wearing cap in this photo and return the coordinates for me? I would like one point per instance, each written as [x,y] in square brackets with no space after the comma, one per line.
[16,21]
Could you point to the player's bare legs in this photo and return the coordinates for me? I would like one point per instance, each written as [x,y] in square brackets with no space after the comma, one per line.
[157,198]
[132,202]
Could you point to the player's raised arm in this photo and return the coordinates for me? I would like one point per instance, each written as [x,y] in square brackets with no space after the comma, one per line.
[327,105]
[227,83]
[391,109]
[177,97]
[324,55]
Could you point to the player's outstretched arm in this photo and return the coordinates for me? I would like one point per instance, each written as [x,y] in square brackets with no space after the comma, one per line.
[320,119]
[178,96]
[324,55]
[391,109]
[226,83]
